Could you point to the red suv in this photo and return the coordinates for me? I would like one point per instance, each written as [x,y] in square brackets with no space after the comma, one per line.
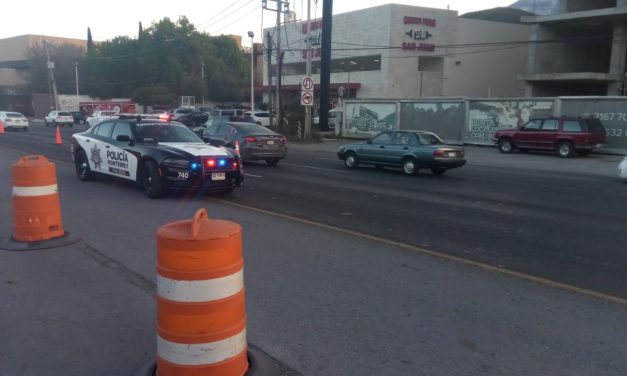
[565,135]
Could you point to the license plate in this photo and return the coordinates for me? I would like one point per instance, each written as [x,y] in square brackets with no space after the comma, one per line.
[218,176]
[270,142]
[452,154]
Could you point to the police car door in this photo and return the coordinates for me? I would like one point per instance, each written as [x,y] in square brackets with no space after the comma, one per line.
[121,160]
[96,144]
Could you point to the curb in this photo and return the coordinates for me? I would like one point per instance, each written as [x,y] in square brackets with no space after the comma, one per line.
[261,364]
[7,243]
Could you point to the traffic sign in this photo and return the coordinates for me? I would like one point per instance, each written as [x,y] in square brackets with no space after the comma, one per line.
[307,84]
[306,98]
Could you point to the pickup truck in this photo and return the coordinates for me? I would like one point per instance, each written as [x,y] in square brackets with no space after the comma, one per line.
[99,116]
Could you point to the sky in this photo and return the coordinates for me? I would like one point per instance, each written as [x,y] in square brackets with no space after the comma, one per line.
[107,20]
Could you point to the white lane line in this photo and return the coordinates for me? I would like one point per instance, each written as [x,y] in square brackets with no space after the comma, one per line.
[252,176]
[315,168]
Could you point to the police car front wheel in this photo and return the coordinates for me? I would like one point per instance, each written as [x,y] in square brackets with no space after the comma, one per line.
[152,181]
[83,172]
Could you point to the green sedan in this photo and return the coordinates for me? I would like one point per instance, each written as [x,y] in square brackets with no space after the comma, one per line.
[409,150]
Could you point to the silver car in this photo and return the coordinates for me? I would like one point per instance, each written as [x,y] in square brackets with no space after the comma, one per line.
[256,143]
[14,120]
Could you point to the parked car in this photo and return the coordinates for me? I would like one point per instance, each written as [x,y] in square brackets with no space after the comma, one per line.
[221,119]
[156,154]
[227,112]
[409,150]
[100,115]
[14,120]
[260,117]
[255,141]
[335,117]
[565,135]
[622,169]
[61,118]
[79,117]
[193,119]
[177,113]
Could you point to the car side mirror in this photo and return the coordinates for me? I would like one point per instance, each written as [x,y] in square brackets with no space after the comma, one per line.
[123,138]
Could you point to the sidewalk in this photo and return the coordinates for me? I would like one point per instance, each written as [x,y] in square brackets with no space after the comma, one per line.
[320,301]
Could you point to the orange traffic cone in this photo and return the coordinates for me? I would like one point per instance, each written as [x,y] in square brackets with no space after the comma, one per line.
[1,127]
[58,138]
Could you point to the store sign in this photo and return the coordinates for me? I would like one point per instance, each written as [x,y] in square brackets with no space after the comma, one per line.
[419,35]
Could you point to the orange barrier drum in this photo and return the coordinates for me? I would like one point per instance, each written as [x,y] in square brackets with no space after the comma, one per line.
[36,204]
[201,312]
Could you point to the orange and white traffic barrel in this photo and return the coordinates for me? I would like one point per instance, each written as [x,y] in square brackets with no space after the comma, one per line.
[201,312]
[36,204]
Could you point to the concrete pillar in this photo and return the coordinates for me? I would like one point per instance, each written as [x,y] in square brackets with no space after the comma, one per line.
[617,59]
[531,58]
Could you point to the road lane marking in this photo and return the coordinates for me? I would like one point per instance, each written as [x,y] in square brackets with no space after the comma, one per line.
[251,175]
[439,255]
[314,168]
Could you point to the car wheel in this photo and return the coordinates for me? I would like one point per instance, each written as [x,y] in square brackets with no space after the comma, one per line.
[565,149]
[506,146]
[151,180]
[272,162]
[25,129]
[45,122]
[409,166]
[438,171]
[83,172]
[54,124]
[351,160]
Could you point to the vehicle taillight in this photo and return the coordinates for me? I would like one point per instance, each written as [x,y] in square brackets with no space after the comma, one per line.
[235,165]
[250,139]
[439,153]
[283,140]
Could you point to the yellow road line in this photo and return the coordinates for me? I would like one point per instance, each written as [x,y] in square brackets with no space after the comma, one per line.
[477,264]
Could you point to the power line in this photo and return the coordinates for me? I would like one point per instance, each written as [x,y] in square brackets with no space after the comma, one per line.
[217,14]
[225,17]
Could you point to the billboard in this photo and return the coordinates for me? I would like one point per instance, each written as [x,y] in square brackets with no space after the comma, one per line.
[444,118]
[485,117]
[611,111]
[367,119]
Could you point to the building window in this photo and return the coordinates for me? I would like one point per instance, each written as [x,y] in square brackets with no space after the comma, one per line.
[430,64]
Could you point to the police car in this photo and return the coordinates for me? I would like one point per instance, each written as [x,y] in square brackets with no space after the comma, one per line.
[156,154]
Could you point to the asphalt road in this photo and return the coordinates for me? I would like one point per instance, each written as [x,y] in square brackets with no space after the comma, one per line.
[347,272]
[563,220]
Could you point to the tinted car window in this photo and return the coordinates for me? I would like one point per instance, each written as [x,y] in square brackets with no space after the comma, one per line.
[121,129]
[65,114]
[429,139]
[533,124]
[166,133]
[383,138]
[595,125]
[104,129]
[549,125]
[211,130]
[252,128]
[14,115]
[572,126]
[225,130]
[403,138]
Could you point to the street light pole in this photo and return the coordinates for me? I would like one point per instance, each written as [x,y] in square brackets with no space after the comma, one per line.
[77,97]
[252,73]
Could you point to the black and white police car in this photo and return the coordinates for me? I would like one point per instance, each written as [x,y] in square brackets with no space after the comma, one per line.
[157,154]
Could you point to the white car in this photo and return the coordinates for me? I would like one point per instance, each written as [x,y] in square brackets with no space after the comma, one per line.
[99,116]
[260,117]
[59,118]
[14,120]
[622,169]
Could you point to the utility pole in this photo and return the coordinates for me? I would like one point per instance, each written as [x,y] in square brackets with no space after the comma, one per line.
[202,80]
[325,63]
[50,65]
[308,70]
[282,6]
[269,58]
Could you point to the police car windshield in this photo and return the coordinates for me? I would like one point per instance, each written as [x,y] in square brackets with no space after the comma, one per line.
[166,133]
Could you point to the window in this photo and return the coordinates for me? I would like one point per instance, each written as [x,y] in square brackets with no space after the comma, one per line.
[225,130]
[122,129]
[533,125]
[430,64]
[403,138]
[65,114]
[549,125]
[572,126]
[383,138]
[104,129]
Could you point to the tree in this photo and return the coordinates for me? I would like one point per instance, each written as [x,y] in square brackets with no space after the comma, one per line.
[64,57]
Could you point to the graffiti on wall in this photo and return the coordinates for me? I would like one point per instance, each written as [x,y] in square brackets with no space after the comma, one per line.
[485,117]
[611,112]
[369,119]
[445,119]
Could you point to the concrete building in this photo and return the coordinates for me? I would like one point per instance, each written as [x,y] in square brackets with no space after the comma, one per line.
[405,52]
[579,51]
